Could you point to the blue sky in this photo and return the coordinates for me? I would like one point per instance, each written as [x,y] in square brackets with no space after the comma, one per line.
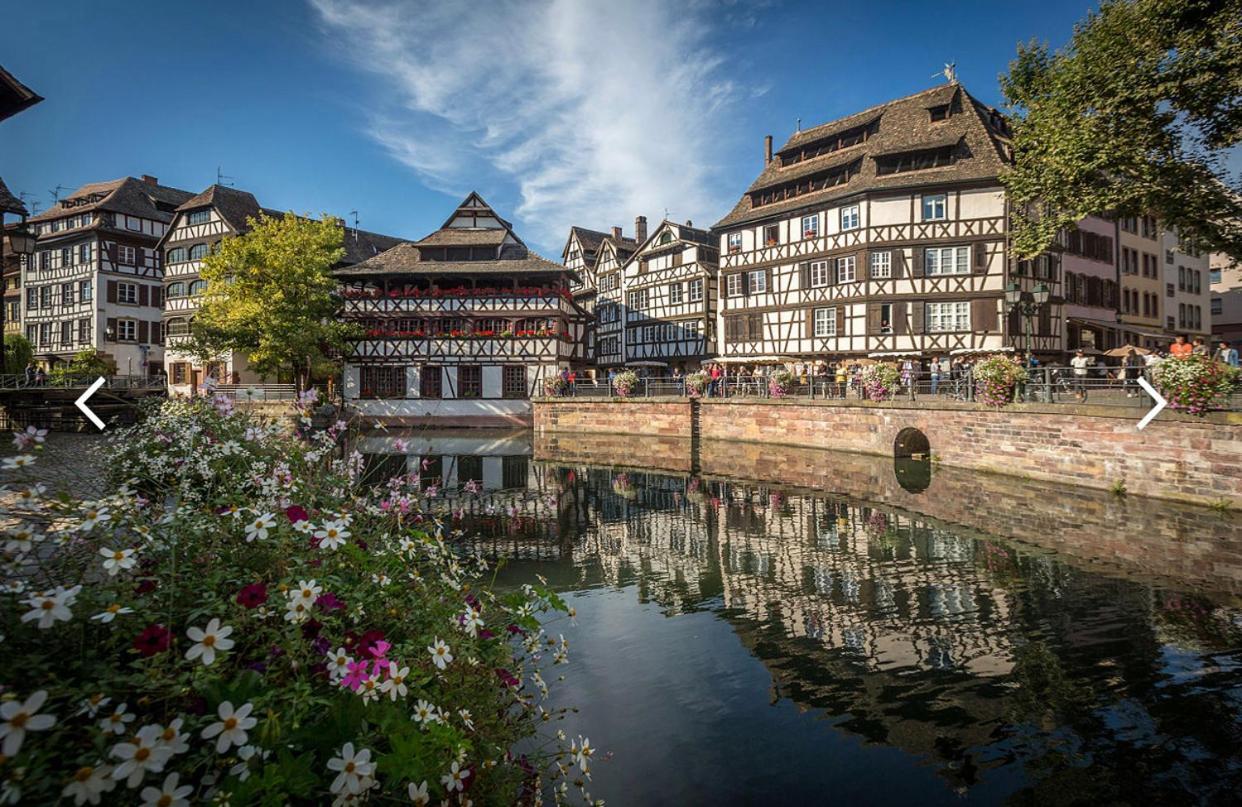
[559,112]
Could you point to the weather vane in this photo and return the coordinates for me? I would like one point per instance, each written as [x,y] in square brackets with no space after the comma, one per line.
[949,72]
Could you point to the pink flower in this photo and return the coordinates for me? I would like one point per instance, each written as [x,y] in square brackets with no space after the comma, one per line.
[355,676]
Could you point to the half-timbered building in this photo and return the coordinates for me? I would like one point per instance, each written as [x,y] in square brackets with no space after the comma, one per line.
[96,277]
[614,251]
[579,256]
[884,232]
[670,297]
[200,224]
[461,327]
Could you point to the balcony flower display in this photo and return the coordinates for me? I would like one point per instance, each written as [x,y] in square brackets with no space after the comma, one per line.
[780,383]
[456,292]
[555,386]
[696,384]
[880,382]
[1194,384]
[625,383]
[996,379]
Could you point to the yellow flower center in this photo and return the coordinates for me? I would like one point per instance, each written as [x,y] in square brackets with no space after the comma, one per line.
[113,608]
[349,767]
[19,720]
[165,801]
[142,754]
[83,774]
[209,640]
[118,556]
[48,605]
[230,724]
[169,734]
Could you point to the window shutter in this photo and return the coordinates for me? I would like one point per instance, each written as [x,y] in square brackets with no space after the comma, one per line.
[901,318]
[983,315]
[898,265]
[810,323]
[916,262]
[767,280]
[873,318]
[112,291]
[745,284]
[111,326]
[981,257]
[804,275]
[144,296]
[832,271]
[917,324]
[840,312]
[144,330]
[862,267]
[157,293]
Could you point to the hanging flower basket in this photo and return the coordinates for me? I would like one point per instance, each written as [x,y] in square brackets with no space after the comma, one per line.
[779,383]
[625,383]
[696,384]
[996,379]
[1195,384]
[880,381]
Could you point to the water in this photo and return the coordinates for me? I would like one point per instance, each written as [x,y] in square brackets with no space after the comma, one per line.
[812,628]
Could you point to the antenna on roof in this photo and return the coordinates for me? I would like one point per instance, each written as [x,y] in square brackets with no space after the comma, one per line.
[56,192]
[223,178]
[354,213]
[799,127]
[949,72]
[29,200]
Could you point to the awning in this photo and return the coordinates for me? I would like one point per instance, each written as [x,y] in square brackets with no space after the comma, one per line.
[1095,323]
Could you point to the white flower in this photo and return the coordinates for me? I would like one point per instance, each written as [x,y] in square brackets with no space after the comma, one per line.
[172,738]
[307,590]
[93,517]
[418,794]
[583,753]
[467,719]
[22,540]
[304,526]
[51,607]
[471,622]
[424,712]
[116,560]
[352,769]
[28,438]
[208,641]
[332,535]
[28,498]
[456,777]
[112,612]
[89,784]
[338,663]
[115,722]
[91,706]
[298,611]
[232,727]
[144,753]
[20,461]
[21,717]
[259,527]
[168,794]
[395,687]
[440,655]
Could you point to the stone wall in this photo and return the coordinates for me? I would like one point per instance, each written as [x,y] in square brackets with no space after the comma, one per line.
[1176,457]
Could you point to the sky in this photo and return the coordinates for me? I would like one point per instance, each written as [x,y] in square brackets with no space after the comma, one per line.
[559,112]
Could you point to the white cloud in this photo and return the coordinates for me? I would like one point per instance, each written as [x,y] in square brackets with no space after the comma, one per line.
[591,111]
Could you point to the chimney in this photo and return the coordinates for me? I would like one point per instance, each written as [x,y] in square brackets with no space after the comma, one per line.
[640,229]
[767,149]
[150,180]
[616,233]
[689,223]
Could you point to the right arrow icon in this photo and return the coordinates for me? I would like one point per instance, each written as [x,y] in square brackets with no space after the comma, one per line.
[1161,403]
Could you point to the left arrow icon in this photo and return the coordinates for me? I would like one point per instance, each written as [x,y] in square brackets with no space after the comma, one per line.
[80,403]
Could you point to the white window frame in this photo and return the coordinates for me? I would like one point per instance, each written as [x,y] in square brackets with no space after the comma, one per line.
[824,322]
[757,281]
[127,293]
[733,286]
[939,204]
[676,293]
[847,269]
[819,274]
[696,291]
[881,267]
[849,217]
[948,317]
[45,334]
[86,291]
[810,224]
[124,327]
[934,261]
[133,223]
[84,252]
[126,255]
[84,331]
[734,242]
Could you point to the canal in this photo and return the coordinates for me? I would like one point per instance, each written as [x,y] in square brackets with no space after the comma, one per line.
[818,628]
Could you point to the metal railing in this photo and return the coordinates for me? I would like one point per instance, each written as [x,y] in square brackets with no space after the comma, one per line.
[257,392]
[19,381]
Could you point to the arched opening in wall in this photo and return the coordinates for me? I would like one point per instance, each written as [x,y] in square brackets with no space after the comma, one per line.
[912,460]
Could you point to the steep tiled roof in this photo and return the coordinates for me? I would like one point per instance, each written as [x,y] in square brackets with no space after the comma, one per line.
[234,206]
[451,237]
[127,195]
[10,203]
[901,126]
[405,259]
[15,96]
[361,245]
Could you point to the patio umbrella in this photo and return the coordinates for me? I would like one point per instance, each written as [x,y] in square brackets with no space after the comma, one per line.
[1119,352]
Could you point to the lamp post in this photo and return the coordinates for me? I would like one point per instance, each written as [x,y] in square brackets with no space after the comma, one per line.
[20,242]
[1027,304]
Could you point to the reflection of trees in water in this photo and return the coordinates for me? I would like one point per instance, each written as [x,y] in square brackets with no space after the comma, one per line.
[969,651]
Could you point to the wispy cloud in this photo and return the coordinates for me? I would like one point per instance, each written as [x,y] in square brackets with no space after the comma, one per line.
[591,111]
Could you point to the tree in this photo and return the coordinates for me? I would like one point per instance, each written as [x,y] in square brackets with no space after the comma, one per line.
[88,363]
[1134,116]
[18,352]
[271,296]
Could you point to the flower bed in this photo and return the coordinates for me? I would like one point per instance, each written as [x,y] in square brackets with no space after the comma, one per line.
[996,379]
[458,291]
[880,382]
[1194,384]
[244,621]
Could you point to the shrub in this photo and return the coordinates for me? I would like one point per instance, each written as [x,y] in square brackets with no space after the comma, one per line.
[625,383]
[242,618]
[880,381]
[996,377]
[1195,384]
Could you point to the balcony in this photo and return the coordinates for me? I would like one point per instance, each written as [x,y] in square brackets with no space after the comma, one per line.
[526,347]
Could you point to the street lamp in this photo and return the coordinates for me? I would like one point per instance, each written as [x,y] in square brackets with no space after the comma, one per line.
[1027,304]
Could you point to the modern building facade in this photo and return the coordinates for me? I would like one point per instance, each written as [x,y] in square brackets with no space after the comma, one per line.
[882,233]
[1187,287]
[1225,308]
[1142,281]
[95,280]
[1091,290]
[460,328]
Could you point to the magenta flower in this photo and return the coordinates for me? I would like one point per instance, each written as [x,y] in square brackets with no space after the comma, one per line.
[253,595]
[329,602]
[355,676]
[296,513]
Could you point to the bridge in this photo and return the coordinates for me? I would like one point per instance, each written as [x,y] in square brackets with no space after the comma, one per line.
[50,404]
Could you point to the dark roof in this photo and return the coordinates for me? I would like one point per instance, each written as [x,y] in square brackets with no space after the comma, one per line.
[590,240]
[128,195]
[10,203]
[234,206]
[405,259]
[904,125]
[464,237]
[361,245]
[15,96]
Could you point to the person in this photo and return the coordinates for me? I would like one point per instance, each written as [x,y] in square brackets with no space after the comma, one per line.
[1227,354]
[30,373]
[1180,348]
[40,378]
[908,375]
[713,373]
[1131,368]
[1080,363]
[933,371]
[1200,348]
[760,386]
[841,377]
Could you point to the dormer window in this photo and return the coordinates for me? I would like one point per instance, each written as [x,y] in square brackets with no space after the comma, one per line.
[918,160]
[666,237]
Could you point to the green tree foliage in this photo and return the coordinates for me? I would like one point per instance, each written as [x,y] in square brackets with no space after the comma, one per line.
[1133,116]
[18,352]
[88,363]
[270,296]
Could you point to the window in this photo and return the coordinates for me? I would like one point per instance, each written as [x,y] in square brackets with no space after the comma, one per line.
[45,260]
[127,293]
[470,381]
[381,381]
[431,381]
[935,206]
[66,294]
[918,160]
[819,274]
[32,335]
[849,217]
[1198,278]
[66,333]
[810,226]
[733,285]
[180,372]
[881,265]
[1181,278]
[198,287]
[84,253]
[198,216]
[84,331]
[176,289]
[696,291]
[637,300]
[133,223]
[747,327]
[32,299]
[198,252]
[127,330]
[1169,290]
[676,292]
[513,381]
[846,269]
[757,281]
[45,297]
[825,322]
[771,235]
[45,333]
[177,255]
[66,257]
[735,242]
[1168,256]
[125,255]
[886,318]
[56,226]
[948,317]
[1214,276]
[946,261]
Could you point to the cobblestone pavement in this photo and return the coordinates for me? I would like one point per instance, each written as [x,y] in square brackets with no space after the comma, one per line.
[69,463]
